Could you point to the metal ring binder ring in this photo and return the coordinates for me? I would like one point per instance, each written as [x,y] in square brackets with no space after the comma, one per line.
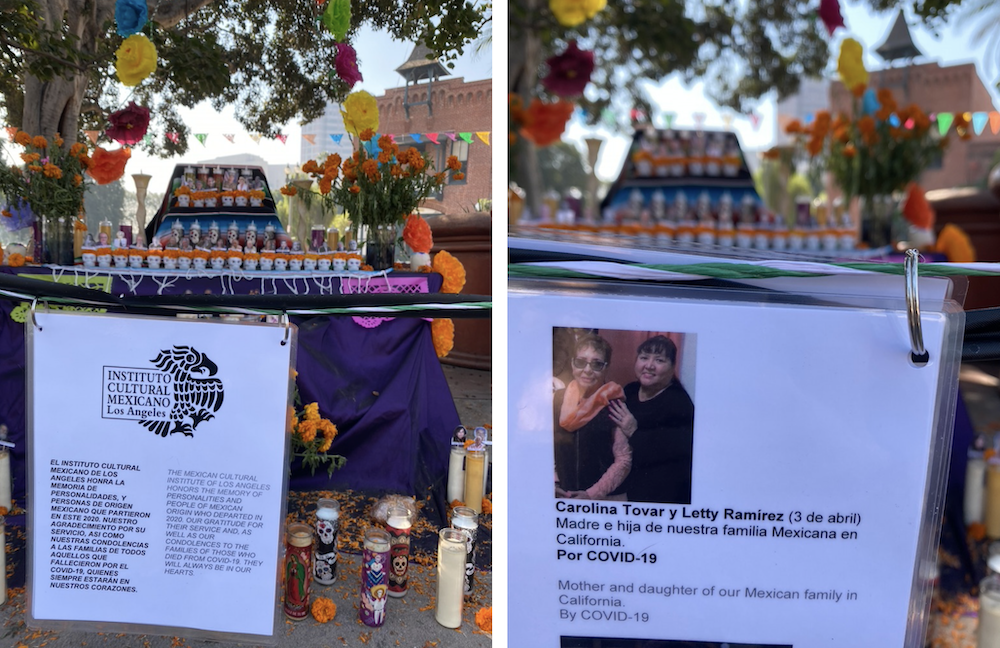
[913,306]
[288,329]
[34,322]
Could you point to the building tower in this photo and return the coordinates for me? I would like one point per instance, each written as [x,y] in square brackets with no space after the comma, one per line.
[420,66]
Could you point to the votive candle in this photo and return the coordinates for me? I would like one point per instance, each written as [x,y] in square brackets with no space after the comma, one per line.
[450,577]
[456,474]
[475,461]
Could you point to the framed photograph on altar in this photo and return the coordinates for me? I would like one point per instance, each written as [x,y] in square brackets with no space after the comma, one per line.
[623,414]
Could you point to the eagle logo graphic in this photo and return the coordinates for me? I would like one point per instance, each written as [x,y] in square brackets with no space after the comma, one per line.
[197,394]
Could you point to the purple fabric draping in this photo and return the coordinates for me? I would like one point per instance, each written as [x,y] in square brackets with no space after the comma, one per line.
[383,387]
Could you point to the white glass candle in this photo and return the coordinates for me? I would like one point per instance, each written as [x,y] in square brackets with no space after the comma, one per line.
[456,474]
[5,483]
[3,560]
[450,577]
[975,487]
[463,517]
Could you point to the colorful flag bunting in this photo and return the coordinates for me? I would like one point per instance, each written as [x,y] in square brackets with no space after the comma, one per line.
[466,137]
[910,124]
[669,117]
[309,138]
[147,139]
[432,137]
[281,137]
[91,135]
[201,137]
[995,122]
[944,121]
[894,120]
[484,137]
[608,117]
[11,132]
[580,113]
[337,137]
[255,138]
[809,118]
[727,120]
[979,120]
[416,137]
[451,136]
[231,137]
[754,120]
[699,119]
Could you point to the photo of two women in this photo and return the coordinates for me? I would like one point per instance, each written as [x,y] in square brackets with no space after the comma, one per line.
[623,414]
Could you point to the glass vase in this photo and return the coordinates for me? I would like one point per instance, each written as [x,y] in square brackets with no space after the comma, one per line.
[55,240]
[380,247]
[879,216]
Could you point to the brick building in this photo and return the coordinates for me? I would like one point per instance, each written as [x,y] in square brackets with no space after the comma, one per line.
[936,89]
[429,104]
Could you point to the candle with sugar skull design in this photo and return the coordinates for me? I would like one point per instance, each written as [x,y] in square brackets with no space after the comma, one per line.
[397,524]
[466,519]
[325,552]
[374,586]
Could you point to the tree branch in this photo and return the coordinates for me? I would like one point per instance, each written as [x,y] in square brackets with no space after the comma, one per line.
[47,55]
[170,12]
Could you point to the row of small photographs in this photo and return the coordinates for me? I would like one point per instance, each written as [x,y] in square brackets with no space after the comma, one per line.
[220,179]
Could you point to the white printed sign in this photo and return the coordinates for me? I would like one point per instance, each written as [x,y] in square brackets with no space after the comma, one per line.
[158,472]
[774,478]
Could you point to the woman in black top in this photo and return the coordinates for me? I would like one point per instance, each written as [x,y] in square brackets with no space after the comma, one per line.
[658,419]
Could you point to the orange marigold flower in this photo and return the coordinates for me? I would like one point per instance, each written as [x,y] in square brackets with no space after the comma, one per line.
[289,190]
[815,146]
[417,164]
[366,135]
[385,157]
[77,149]
[396,171]
[458,176]
[39,142]
[15,260]
[52,171]
[310,167]
[59,141]
[307,431]
[77,179]
[443,336]
[323,609]
[84,161]
[859,90]
[354,189]
[794,127]
[452,270]
[484,619]
[30,157]
[332,161]
[369,167]
[453,163]
[886,98]
[385,143]
[327,442]
[976,530]
[34,167]
[22,138]
[325,185]
[772,153]
[849,151]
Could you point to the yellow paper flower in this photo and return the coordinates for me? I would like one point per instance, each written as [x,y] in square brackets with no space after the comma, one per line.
[571,13]
[360,112]
[135,60]
[443,335]
[452,270]
[850,64]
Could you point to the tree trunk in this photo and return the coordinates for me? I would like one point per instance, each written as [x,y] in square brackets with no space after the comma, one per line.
[525,57]
[54,106]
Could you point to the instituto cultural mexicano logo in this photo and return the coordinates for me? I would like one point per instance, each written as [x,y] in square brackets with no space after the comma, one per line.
[178,394]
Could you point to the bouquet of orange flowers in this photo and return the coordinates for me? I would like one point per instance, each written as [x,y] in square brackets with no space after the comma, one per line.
[312,436]
[50,179]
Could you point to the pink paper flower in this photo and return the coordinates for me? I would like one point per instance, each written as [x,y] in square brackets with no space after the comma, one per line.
[569,72]
[829,13]
[128,125]
[346,64]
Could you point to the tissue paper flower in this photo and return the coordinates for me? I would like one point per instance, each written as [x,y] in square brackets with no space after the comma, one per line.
[569,72]
[135,60]
[128,125]
[346,64]
[360,112]
[131,16]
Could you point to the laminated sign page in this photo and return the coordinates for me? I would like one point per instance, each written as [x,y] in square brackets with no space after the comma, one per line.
[158,471]
[697,469]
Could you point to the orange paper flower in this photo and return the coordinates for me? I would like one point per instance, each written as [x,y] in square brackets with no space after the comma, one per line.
[108,166]
[417,234]
[452,270]
[443,335]
[916,209]
[544,123]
